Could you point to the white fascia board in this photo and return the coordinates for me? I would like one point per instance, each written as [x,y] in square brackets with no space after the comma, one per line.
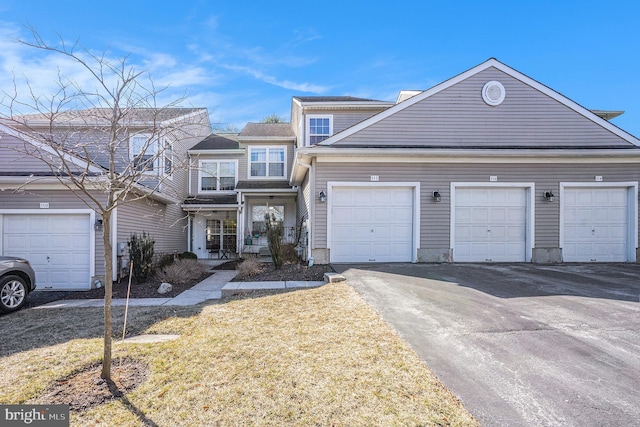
[267,191]
[460,77]
[66,156]
[209,207]
[425,155]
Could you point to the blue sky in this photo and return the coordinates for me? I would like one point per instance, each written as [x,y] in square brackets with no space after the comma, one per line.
[245,60]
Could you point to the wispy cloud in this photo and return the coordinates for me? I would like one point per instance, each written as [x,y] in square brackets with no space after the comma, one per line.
[286,84]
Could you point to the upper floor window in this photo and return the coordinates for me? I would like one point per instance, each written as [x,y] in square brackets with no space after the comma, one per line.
[167,158]
[217,175]
[319,128]
[267,162]
[143,153]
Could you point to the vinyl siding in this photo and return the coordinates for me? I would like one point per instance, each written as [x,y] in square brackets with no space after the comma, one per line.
[341,120]
[165,223]
[435,217]
[458,117]
[15,157]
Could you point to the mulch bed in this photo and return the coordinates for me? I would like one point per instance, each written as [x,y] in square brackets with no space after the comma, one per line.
[85,389]
[266,272]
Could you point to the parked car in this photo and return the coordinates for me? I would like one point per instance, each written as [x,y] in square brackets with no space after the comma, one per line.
[17,280]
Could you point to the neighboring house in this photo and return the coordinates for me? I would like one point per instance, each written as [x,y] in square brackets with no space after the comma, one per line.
[61,234]
[489,166]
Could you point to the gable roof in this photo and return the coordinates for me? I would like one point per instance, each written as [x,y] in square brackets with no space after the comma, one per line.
[409,102]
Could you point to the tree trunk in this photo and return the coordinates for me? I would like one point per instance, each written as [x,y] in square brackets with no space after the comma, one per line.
[108,291]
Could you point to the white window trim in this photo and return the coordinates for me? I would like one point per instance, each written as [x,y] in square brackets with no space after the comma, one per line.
[156,162]
[166,143]
[267,147]
[218,161]
[308,126]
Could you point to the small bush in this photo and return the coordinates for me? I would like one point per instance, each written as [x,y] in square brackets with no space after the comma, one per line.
[275,232]
[289,253]
[250,266]
[182,271]
[141,253]
[188,255]
[165,261]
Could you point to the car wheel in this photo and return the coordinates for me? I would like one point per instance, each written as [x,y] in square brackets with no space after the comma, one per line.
[13,293]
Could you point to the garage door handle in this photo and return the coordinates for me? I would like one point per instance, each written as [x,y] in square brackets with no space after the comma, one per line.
[48,259]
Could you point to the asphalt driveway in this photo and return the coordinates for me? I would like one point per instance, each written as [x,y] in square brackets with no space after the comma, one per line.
[520,344]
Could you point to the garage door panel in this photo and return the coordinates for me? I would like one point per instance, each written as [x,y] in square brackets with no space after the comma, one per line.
[463,214]
[378,222]
[361,214]
[480,214]
[463,233]
[497,216]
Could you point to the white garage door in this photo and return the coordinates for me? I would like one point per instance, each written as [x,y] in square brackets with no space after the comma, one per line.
[371,224]
[56,245]
[595,225]
[490,225]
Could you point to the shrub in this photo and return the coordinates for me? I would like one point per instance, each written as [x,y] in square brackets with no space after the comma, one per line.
[181,272]
[165,260]
[289,253]
[188,255]
[250,266]
[274,238]
[141,254]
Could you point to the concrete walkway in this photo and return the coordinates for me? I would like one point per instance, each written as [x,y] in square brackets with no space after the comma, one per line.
[216,286]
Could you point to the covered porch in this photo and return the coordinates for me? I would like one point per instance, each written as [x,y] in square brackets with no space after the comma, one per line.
[213,226]
[279,203]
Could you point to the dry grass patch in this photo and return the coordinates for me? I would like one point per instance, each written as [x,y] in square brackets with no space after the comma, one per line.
[311,357]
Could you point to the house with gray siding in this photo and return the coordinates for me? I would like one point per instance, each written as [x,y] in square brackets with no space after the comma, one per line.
[488,166]
[59,231]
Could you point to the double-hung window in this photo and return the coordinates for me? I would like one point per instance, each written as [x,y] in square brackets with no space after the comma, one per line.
[319,128]
[167,156]
[217,175]
[267,162]
[143,153]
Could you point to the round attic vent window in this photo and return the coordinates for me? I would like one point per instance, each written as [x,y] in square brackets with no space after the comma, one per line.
[493,93]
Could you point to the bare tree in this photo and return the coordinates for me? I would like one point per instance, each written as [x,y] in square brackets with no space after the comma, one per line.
[83,134]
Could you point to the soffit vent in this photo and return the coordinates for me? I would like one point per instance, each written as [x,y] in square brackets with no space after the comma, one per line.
[493,93]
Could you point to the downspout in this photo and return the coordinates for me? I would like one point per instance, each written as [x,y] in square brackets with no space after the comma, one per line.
[311,205]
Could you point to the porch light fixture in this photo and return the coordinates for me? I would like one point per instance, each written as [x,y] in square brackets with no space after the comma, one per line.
[436,196]
[98,224]
[322,196]
[548,196]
